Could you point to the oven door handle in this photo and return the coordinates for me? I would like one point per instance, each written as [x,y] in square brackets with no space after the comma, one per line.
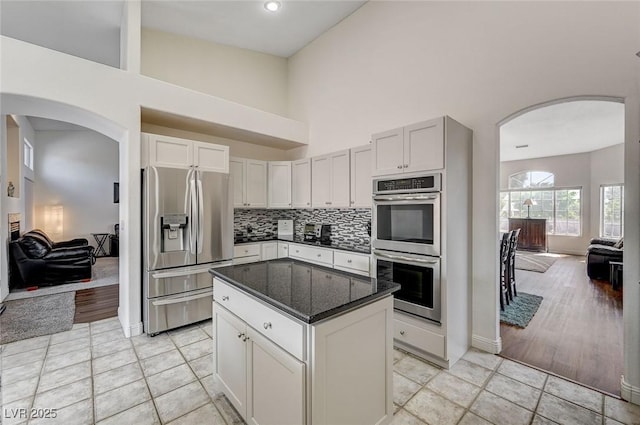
[402,257]
[406,198]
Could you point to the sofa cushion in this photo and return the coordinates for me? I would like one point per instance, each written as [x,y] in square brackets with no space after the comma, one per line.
[33,246]
[605,250]
[619,244]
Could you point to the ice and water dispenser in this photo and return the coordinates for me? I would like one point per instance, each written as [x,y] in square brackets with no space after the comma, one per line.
[174,232]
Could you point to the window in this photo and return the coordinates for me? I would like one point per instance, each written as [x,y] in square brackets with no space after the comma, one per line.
[28,154]
[612,211]
[562,207]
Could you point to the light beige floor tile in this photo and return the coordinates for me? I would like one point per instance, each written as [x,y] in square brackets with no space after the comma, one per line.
[197,349]
[121,399]
[79,326]
[227,411]
[522,373]
[514,391]
[470,372]
[64,376]
[207,326]
[160,362]
[207,414]
[402,417]
[203,366]
[64,395]
[142,414]
[181,401]
[20,359]
[482,358]
[564,412]
[105,325]
[146,339]
[416,370]
[434,409]
[403,389]
[471,419]
[609,421]
[25,345]
[574,393]
[80,413]
[396,408]
[212,385]
[454,389]
[500,411]
[71,335]
[68,346]
[112,361]
[182,337]
[117,377]
[621,411]
[19,390]
[397,355]
[107,348]
[67,359]
[170,379]
[107,337]
[16,412]
[21,372]
[541,420]
[154,347]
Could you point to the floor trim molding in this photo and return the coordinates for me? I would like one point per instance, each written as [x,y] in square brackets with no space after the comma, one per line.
[493,346]
[629,392]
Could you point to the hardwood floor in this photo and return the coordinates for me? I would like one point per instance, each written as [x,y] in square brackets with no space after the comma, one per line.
[96,303]
[577,332]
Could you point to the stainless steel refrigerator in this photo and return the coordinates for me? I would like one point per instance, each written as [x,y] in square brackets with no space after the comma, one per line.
[187,229]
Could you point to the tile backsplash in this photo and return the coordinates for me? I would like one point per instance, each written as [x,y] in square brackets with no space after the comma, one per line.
[347,225]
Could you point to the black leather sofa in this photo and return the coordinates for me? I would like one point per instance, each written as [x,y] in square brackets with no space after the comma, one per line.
[599,254]
[36,260]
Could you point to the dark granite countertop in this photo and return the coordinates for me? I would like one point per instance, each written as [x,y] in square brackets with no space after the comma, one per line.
[342,245]
[303,290]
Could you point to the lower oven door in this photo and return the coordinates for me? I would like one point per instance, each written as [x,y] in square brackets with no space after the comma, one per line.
[173,311]
[419,280]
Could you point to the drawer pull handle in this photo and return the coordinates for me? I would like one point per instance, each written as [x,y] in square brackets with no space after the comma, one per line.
[240,335]
[401,332]
[267,325]
[245,338]
[225,298]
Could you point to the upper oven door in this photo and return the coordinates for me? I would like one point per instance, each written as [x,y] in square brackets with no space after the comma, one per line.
[407,223]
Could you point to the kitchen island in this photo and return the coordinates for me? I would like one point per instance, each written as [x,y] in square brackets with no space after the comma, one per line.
[299,343]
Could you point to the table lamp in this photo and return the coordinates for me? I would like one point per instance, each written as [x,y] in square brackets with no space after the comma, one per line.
[528,202]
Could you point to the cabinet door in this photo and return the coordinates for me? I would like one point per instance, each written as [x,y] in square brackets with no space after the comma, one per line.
[230,357]
[277,384]
[256,186]
[340,179]
[388,152]
[237,170]
[361,188]
[279,187]
[301,183]
[283,250]
[321,182]
[211,157]
[269,251]
[424,146]
[165,151]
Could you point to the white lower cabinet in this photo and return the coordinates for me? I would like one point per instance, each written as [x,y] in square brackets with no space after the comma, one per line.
[247,253]
[269,251]
[283,250]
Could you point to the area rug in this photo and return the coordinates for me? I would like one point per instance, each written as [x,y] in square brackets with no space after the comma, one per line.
[534,262]
[37,316]
[521,309]
[103,273]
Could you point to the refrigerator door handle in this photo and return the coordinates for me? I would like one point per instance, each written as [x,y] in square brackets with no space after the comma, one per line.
[177,300]
[194,223]
[200,214]
[182,272]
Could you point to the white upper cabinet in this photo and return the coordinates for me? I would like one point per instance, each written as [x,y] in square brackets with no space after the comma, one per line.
[172,152]
[301,183]
[249,177]
[279,186]
[417,147]
[361,167]
[330,186]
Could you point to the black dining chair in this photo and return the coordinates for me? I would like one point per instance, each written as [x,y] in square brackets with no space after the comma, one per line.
[513,246]
[505,243]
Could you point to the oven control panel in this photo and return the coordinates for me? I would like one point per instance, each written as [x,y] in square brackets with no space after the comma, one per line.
[426,183]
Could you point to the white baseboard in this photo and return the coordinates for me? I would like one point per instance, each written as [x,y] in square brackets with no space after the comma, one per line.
[493,346]
[629,392]
[130,330]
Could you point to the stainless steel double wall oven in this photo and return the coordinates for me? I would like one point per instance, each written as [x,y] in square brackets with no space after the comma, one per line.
[406,240]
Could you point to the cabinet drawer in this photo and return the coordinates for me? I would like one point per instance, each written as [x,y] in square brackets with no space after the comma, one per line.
[312,254]
[357,263]
[246,250]
[283,250]
[280,329]
[423,339]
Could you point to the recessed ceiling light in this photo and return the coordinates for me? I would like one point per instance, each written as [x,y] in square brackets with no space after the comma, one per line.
[521,146]
[272,5]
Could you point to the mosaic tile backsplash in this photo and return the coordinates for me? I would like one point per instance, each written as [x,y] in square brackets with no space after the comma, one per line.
[347,225]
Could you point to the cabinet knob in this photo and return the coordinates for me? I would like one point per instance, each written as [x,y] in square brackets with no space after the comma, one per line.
[244,339]
[406,165]
[266,325]
[319,255]
[327,203]
[225,298]
[399,167]
[349,261]
[246,251]
[307,203]
[240,335]
[248,204]
[401,332]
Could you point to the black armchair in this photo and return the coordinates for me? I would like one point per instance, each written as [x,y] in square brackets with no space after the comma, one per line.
[35,260]
[599,254]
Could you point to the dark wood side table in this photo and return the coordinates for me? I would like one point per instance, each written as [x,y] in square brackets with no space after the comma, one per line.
[615,274]
[533,233]
[100,238]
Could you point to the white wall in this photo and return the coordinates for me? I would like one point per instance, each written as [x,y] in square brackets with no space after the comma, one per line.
[244,76]
[77,169]
[586,170]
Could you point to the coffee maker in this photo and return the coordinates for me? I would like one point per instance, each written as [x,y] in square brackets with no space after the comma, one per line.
[317,233]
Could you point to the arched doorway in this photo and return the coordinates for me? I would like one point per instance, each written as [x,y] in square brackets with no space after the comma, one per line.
[569,187]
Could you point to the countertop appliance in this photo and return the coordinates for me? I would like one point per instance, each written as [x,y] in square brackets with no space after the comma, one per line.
[406,241]
[285,229]
[187,222]
[317,233]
